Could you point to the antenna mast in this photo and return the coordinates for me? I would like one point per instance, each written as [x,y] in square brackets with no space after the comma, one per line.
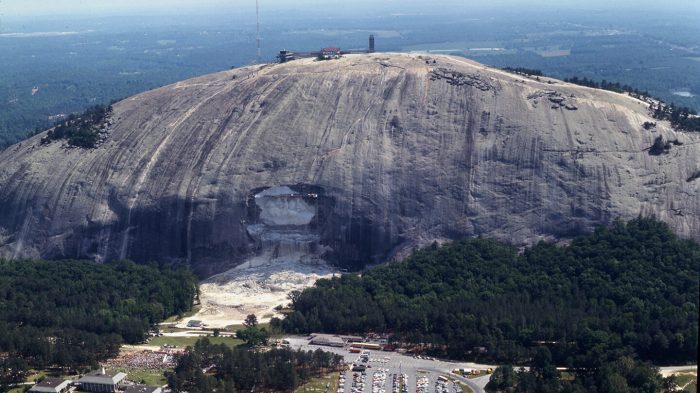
[257,18]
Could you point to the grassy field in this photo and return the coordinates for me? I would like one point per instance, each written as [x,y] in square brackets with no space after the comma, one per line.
[688,381]
[465,388]
[328,383]
[175,318]
[233,328]
[183,342]
[33,377]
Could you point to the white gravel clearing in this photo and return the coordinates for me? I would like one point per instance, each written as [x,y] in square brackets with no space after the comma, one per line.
[256,288]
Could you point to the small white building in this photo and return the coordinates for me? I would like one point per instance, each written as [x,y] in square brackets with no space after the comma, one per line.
[102,381]
[51,385]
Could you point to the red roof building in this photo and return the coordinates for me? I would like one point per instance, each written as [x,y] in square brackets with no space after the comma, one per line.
[330,53]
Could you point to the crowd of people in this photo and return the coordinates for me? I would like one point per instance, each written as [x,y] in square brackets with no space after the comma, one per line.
[149,360]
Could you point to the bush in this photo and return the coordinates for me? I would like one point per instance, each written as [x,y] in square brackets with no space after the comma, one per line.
[82,130]
[659,147]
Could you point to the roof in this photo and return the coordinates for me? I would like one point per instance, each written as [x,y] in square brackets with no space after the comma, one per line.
[50,385]
[142,389]
[330,49]
[108,378]
[326,339]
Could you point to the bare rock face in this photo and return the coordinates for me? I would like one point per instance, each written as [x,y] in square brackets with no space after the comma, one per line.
[357,158]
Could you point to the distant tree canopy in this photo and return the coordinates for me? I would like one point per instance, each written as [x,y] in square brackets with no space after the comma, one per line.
[76,313]
[681,118]
[81,130]
[13,370]
[605,85]
[624,375]
[630,289]
[524,71]
[208,368]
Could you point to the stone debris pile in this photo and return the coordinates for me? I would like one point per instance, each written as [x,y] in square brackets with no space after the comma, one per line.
[553,97]
[456,78]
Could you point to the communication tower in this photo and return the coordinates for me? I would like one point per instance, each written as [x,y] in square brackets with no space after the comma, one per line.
[257,24]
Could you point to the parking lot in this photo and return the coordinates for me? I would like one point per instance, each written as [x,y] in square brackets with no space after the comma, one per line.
[392,372]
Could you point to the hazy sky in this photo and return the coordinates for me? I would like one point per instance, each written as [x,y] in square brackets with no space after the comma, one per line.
[20,8]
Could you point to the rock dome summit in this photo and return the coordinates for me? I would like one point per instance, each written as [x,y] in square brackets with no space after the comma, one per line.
[351,161]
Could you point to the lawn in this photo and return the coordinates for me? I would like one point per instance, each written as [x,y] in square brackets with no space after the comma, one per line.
[175,318]
[465,388]
[234,328]
[328,383]
[688,381]
[183,342]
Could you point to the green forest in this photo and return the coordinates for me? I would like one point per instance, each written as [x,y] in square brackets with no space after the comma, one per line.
[624,375]
[208,368]
[630,289]
[77,313]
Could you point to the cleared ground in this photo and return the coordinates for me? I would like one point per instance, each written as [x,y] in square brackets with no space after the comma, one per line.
[257,288]
[687,381]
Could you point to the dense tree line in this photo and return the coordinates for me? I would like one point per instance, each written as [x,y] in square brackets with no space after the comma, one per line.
[605,85]
[13,370]
[76,313]
[81,130]
[630,289]
[207,368]
[624,375]
[524,71]
[681,118]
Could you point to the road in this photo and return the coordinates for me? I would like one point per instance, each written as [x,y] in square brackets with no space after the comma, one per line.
[666,371]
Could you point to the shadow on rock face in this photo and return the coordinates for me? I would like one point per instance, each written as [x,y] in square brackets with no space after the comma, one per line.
[275,224]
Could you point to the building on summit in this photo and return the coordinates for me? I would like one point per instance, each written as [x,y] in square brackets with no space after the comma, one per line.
[330,53]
